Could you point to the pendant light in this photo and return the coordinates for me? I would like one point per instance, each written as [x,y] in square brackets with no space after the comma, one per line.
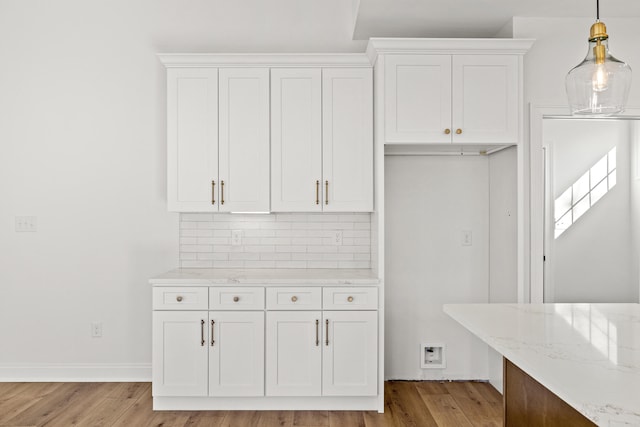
[599,85]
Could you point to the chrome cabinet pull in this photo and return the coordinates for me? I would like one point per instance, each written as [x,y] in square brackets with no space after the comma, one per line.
[213,324]
[326,338]
[202,333]
[222,192]
[213,192]
[326,192]
[317,192]
[317,332]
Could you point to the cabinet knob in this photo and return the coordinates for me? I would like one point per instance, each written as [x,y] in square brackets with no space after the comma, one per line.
[179,298]
[236,299]
[447,131]
[458,131]
[350,299]
[294,298]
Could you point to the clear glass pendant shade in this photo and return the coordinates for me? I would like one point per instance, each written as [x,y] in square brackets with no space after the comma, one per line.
[599,85]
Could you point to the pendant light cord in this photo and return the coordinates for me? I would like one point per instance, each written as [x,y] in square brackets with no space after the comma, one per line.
[598,10]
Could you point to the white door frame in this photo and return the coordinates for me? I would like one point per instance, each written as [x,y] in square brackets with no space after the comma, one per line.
[537,203]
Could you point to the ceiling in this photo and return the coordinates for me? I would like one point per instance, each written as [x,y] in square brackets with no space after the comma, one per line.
[470,18]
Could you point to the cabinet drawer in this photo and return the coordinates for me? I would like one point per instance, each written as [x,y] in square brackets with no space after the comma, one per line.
[236,298]
[300,298]
[350,298]
[180,298]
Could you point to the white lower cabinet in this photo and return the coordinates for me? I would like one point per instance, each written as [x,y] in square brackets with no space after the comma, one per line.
[236,352]
[350,353]
[294,354]
[179,353]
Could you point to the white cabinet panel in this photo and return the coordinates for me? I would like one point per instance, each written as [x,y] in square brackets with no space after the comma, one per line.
[244,139]
[350,353]
[296,140]
[417,98]
[179,353]
[485,98]
[192,138]
[294,354]
[236,353]
[347,139]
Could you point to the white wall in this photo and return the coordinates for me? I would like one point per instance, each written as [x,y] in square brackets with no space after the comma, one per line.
[82,119]
[592,260]
[429,201]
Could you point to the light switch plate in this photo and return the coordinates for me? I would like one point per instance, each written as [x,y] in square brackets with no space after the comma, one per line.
[26,224]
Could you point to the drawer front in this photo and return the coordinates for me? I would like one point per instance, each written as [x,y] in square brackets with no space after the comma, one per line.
[300,298]
[180,298]
[350,298]
[236,298]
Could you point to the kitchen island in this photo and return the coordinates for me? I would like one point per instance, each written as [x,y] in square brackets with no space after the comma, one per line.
[583,356]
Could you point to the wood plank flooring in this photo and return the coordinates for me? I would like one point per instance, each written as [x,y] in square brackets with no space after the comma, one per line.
[408,403]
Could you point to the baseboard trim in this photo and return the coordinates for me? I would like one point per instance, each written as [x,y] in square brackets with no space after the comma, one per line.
[76,372]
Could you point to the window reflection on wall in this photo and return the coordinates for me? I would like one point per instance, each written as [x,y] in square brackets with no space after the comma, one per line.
[585,192]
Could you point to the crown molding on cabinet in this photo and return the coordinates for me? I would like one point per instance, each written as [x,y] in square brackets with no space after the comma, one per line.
[378,46]
[200,60]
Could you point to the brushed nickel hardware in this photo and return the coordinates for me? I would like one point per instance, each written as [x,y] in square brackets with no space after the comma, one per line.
[326,192]
[317,332]
[222,192]
[201,333]
[213,192]
[458,131]
[350,299]
[294,298]
[236,299]
[317,192]
[213,324]
[179,298]
[447,131]
[326,338]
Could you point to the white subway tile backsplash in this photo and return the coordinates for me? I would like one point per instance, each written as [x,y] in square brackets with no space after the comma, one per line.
[282,240]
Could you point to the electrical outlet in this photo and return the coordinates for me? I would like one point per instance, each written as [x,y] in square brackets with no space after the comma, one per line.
[432,356]
[236,237]
[96,329]
[467,238]
[26,223]
[337,238]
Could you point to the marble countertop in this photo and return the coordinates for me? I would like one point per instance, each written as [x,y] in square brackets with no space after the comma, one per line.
[586,354]
[293,276]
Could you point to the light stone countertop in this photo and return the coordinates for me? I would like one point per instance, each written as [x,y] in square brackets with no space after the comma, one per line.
[291,276]
[586,354]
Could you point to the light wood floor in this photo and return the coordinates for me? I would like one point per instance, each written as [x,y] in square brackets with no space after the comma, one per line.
[420,404]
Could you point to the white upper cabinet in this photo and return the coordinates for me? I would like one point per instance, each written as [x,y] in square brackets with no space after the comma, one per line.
[244,140]
[418,98]
[347,139]
[485,99]
[322,140]
[451,98]
[449,91]
[296,139]
[192,139]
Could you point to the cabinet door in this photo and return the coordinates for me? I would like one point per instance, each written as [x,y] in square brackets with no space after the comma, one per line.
[347,139]
[417,98]
[236,353]
[350,353]
[179,353]
[485,98]
[294,355]
[192,139]
[244,140]
[296,140]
